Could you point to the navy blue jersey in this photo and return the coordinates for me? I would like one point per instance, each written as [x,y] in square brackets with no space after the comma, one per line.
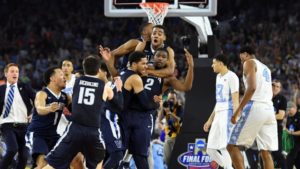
[149,51]
[87,102]
[153,86]
[132,101]
[127,94]
[47,124]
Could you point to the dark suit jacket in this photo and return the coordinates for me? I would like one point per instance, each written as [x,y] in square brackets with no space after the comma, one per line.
[27,94]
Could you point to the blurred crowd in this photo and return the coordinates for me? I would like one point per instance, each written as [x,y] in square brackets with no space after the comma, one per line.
[37,34]
[272,28]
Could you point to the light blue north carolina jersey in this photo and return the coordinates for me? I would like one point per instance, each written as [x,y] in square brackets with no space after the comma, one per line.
[263,92]
[225,86]
[69,85]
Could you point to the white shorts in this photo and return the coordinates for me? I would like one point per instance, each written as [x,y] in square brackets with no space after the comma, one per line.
[62,124]
[220,130]
[257,123]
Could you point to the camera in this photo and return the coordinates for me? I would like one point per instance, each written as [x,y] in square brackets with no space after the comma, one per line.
[169,104]
[166,104]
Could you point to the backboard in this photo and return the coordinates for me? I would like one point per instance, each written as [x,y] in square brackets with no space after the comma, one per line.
[177,8]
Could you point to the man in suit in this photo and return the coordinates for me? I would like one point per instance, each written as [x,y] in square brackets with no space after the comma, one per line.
[16,102]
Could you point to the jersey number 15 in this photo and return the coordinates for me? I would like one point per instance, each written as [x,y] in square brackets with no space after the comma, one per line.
[86,96]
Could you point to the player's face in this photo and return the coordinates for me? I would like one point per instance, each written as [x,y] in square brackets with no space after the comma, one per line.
[141,66]
[12,74]
[158,37]
[147,31]
[67,67]
[216,65]
[160,59]
[59,78]
[243,57]
[276,87]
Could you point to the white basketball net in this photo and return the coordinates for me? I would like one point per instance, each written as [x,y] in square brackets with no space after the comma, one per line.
[156,12]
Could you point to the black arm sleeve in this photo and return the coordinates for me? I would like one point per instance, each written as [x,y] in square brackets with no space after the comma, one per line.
[117,100]
[145,101]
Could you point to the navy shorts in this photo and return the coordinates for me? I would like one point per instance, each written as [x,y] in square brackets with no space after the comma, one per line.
[112,132]
[77,138]
[138,132]
[41,144]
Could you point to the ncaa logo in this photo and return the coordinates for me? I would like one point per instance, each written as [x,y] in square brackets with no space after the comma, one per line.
[196,157]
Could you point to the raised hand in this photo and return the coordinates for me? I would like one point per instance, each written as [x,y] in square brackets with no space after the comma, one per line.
[118,83]
[189,58]
[105,53]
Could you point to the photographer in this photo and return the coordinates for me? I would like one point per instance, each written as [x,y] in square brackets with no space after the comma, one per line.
[173,112]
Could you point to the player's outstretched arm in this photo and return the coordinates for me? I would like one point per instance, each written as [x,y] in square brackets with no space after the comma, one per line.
[141,46]
[40,104]
[108,60]
[188,82]
[169,70]
[126,48]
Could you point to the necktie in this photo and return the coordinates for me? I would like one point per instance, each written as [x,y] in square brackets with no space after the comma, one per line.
[9,101]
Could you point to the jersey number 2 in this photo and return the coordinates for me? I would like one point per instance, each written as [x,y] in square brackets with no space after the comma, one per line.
[86,96]
[149,83]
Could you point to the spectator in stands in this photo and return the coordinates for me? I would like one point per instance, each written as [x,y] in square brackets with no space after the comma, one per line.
[173,113]
[293,128]
[279,103]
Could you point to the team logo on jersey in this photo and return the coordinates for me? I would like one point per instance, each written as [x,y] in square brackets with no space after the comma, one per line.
[196,156]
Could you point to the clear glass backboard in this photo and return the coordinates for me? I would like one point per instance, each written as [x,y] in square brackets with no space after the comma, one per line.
[177,8]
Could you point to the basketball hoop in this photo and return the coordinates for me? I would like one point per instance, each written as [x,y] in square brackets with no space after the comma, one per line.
[156,11]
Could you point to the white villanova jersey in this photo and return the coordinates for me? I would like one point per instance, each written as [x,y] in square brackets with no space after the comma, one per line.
[263,92]
[225,86]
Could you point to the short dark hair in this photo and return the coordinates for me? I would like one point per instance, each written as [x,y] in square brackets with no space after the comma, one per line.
[142,27]
[10,65]
[248,50]
[160,27]
[103,67]
[66,60]
[91,65]
[49,73]
[136,56]
[222,58]
[161,50]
